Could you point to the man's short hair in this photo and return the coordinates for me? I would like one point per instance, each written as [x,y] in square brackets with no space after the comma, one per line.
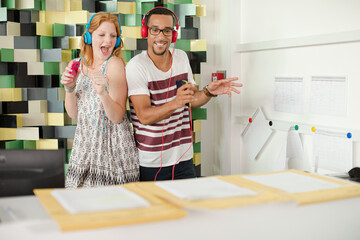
[160,11]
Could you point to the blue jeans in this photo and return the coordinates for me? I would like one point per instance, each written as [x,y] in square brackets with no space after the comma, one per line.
[182,170]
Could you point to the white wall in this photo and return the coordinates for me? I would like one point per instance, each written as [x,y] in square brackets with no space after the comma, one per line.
[232,22]
[280,20]
[217,28]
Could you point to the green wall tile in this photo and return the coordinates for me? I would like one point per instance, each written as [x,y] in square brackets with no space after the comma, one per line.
[66,168]
[29,144]
[144,7]
[7,55]
[170,6]
[7,81]
[37,5]
[10,4]
[199,113]
[68,154]
[182,1]
[17,144]
[183,44]
[46,42]
[132,20]
[197,147]
[43,5]
[58,30]
[51,68]
[126,55]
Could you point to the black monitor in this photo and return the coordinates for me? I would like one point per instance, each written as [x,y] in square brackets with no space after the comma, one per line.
[21,171]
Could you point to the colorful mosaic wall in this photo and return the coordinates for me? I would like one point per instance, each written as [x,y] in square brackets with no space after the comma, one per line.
[37,40]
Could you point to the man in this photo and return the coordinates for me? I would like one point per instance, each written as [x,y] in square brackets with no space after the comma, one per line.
[159,109]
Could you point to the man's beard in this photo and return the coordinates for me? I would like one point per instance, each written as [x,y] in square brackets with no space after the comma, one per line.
[159,54]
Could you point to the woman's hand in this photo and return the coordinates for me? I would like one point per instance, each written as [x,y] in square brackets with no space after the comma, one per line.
[99,82]
[68,78]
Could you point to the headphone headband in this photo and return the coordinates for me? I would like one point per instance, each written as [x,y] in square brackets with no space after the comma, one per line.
[89,23]
[177,20]
[88,37]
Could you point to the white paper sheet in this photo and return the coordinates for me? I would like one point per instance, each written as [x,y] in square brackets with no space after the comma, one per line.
[292,182]
[203,189]
[328,96]
[292,154]
[256,134]
[332,151]
[289,94]
[98,199]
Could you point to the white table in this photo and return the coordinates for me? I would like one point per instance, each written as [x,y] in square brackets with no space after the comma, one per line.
[338,220]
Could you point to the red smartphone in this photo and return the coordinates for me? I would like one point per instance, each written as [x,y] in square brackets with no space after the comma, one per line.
[74,67]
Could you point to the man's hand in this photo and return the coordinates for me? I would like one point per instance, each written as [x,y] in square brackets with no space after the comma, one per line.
[224,86]
[184,95]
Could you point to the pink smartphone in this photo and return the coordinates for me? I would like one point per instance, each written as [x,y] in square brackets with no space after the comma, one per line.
[74,67]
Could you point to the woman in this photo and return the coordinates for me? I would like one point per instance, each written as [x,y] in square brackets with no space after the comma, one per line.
[104,150]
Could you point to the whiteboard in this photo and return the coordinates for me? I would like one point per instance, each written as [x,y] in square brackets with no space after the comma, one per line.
[256,133]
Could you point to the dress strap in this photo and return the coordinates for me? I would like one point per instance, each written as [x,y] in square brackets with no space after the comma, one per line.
[104,72]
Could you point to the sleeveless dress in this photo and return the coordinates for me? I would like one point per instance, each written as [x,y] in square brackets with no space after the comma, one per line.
[100,156]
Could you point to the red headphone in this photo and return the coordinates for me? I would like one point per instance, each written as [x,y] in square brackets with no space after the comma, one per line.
[144,28]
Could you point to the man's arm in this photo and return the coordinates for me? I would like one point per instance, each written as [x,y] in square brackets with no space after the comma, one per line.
[149,115]
[219,87]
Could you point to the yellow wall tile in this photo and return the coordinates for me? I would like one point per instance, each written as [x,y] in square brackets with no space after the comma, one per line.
[197,125]
[10,94]
[197,137]
[74,42]
[131,32]
[44,29]
[52,17]
[76,17]
[55,119]
[197,159]
[198,45]
[200,10]
[126,7]
[50,144]
[76,5]
[7,134]
[65,56]
[42,16]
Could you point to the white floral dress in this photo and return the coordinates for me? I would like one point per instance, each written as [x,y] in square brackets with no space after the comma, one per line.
[100,156]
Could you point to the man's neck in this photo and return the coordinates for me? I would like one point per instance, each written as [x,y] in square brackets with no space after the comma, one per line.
[162,62]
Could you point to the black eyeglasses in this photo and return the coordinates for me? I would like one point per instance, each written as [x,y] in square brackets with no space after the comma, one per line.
[156,31]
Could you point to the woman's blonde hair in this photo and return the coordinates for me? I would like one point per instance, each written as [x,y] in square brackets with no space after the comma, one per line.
[86,50]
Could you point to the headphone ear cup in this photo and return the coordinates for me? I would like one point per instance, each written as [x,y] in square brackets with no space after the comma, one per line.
[144,31]
[118,41]
[87,38]
[174,36]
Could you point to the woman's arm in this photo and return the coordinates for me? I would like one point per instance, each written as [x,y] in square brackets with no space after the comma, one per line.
[68,79]
[114,101]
